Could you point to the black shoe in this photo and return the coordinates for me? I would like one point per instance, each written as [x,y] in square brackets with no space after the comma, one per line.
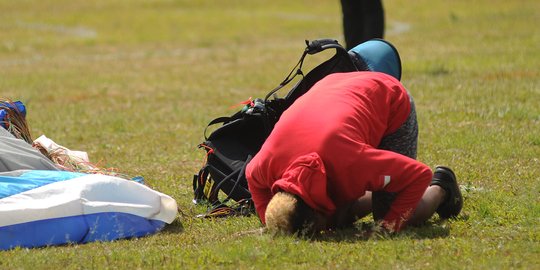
[452,204]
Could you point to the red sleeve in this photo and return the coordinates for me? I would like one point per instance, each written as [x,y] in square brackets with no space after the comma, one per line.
[261,193]
[396,173]
[407,199]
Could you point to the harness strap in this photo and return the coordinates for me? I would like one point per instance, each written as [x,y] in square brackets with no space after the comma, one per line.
[242,172]
[223,119]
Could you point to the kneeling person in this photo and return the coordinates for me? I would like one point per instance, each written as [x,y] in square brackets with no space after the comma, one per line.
[343,150]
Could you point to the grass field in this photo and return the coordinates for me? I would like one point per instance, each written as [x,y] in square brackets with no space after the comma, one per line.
[134,83]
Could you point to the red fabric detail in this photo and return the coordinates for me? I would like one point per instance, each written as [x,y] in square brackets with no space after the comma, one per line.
[249,102]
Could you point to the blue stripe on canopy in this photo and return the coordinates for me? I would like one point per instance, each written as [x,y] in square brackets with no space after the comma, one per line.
[77,229]
[11,185]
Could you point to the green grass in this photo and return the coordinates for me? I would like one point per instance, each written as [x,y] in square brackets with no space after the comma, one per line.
[134,83]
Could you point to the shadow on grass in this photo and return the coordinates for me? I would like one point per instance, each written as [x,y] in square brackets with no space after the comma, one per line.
[363,232]
[175,227]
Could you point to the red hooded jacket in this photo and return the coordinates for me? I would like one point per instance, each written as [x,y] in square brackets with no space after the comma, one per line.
[323,148]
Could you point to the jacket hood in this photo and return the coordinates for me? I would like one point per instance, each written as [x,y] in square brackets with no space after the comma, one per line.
[306,178]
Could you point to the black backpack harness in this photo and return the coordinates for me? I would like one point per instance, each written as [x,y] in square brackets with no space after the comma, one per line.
[230,147]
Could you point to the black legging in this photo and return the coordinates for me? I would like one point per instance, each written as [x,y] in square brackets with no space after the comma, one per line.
[362,21]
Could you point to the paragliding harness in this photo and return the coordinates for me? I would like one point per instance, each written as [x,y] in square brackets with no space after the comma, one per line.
[230,147]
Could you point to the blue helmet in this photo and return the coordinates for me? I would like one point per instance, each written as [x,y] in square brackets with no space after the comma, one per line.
[377,55]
